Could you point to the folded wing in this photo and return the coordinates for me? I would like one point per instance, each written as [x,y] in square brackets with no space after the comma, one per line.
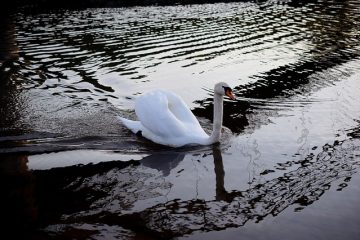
[166,115]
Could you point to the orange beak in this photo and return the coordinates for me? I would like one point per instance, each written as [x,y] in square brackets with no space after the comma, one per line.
[230,94]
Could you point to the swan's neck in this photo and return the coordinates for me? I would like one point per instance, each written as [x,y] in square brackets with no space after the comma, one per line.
[218,118]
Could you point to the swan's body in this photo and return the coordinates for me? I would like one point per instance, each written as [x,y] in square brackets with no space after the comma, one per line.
[164,118]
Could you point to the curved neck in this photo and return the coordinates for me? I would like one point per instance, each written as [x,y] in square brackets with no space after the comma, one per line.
[218,118]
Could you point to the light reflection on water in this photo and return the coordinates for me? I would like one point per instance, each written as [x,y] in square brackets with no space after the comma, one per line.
[101,51]
[295,126]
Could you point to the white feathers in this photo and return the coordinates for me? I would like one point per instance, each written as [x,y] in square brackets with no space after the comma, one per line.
[164,118]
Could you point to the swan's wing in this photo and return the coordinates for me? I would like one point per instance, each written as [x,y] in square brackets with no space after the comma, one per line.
[181,111]
[154,114]
[165,115]
[179,108]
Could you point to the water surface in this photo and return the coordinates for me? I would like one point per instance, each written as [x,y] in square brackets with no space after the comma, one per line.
[287,165]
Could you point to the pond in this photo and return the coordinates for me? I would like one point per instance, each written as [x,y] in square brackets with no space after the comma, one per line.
[287,166]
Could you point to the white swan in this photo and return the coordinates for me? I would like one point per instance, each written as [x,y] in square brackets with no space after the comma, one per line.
[166,119]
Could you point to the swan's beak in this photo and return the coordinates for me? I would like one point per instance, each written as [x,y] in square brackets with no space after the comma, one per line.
[230,94]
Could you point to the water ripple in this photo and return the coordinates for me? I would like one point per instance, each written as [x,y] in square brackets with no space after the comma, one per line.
[134,42]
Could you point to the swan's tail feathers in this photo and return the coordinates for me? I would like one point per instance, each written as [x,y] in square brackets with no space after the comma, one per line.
[134,126]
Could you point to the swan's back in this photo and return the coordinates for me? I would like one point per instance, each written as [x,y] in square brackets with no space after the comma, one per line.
[167,116]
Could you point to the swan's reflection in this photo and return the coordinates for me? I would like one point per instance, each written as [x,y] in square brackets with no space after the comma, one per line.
[163,162]
[133,194]
[221,193]
[167,161]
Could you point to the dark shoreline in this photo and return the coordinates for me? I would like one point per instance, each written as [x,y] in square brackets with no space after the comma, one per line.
[71,4]
[36,5]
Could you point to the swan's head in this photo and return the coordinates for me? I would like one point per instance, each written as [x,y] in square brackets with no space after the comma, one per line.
[222,89]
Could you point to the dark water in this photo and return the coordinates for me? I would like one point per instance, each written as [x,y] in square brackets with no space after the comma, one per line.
[287,167]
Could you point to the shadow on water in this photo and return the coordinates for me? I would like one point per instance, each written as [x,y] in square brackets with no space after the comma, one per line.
[129,199]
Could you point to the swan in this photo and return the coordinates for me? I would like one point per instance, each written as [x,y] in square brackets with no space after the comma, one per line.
[164,118]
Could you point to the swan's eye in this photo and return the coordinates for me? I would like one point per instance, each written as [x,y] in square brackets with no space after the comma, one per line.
[227,89]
